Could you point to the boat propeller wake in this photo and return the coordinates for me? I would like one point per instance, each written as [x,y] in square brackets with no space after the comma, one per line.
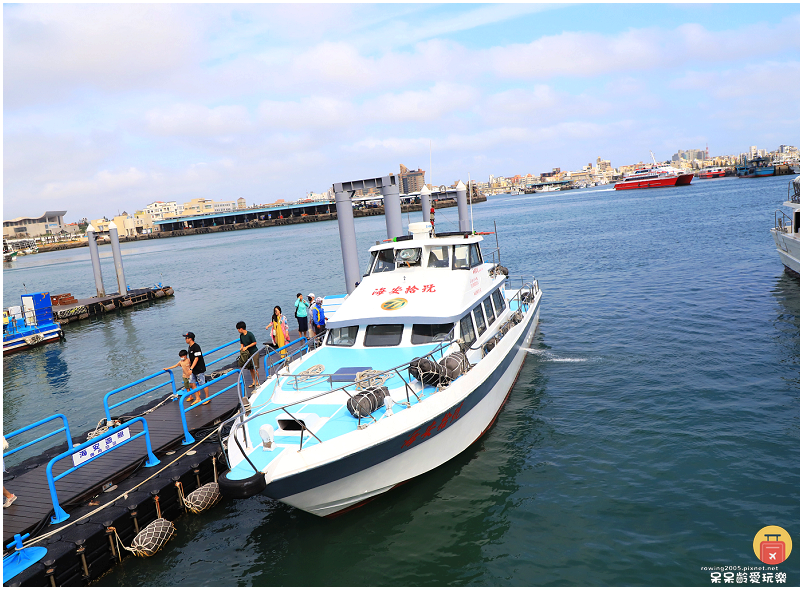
[548,356]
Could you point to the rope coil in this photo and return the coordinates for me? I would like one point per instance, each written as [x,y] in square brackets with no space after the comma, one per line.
[373,379]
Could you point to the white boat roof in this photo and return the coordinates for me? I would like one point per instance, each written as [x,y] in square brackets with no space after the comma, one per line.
[417,295]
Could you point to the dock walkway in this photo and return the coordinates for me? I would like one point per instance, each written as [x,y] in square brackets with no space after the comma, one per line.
[34,504]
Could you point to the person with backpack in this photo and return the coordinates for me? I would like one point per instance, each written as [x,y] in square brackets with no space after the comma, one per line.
[318,318]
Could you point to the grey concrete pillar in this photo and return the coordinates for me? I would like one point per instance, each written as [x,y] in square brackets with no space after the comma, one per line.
[94,254]
[114,234]
[463,208]
[391,207]
[425,201]
[347,236]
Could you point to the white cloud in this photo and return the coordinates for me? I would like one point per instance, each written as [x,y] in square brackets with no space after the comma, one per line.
[192,120]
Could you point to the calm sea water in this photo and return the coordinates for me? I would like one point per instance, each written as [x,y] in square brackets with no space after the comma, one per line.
[653,430]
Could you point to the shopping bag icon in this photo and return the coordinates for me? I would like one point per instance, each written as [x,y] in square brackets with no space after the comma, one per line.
[773,552]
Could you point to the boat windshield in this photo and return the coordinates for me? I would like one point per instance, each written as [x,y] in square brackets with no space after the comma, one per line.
[383,335]
[439,257]
[343,336]
[408,257]
[384,261]
[425,333]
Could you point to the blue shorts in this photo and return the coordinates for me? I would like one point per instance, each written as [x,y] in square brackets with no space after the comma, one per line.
[199,379]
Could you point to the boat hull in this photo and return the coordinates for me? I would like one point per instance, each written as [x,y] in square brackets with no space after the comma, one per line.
[17,342]
[680,180]
[788,248]
[342,484]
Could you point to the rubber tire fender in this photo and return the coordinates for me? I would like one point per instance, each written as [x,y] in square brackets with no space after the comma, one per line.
[241,488]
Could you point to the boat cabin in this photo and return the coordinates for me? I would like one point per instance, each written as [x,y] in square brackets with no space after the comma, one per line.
[418,289]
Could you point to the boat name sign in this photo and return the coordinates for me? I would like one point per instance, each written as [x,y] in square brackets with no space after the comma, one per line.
[411,289]
[100,447]
[420,434]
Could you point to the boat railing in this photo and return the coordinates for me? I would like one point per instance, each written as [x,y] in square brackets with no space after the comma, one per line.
[243,419]
[170,382]
[112,439]
[794,190]
[783,223]
[64,429]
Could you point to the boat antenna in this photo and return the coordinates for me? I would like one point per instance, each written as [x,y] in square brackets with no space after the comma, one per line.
[472,219]
[652,155]
[497,241]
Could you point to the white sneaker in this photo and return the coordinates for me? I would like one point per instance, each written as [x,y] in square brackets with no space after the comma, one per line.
[9,501]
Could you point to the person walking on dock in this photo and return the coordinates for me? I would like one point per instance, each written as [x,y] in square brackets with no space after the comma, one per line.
[186,370]
[197,366]
[301,313]
[248,347]
[9,498]
[279,330]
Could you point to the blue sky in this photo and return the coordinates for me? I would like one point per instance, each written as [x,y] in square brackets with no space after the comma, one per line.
[109,107]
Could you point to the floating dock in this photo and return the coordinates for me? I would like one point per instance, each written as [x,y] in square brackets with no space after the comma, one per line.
[86,501]
[66,309]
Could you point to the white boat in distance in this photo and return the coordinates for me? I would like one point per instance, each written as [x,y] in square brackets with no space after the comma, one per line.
[415,367]
[786,232]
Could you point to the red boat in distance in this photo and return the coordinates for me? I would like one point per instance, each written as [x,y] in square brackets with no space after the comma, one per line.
[711,173]
[654,176]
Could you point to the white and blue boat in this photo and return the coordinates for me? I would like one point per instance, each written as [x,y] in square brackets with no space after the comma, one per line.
[30,324]
[417,362]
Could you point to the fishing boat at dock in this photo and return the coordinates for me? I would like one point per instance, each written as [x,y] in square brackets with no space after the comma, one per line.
[786,232]
[755,168]
[416,365]
[30,324]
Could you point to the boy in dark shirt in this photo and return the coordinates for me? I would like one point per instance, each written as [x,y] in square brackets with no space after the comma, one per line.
[197,366]
[248,347]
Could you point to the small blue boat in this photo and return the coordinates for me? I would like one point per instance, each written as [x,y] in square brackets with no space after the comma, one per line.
[29,324]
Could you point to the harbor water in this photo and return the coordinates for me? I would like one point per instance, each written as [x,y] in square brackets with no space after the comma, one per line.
[652,431]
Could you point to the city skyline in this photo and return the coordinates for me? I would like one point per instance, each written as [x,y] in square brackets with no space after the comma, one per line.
[117,106]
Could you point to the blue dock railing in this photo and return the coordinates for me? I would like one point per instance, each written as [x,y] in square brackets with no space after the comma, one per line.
[187,437]
[64,429]
[171,381]
[111,442]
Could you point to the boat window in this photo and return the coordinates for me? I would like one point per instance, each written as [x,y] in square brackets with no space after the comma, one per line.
[408,257]
[487,305]
[480,322]
[467,330]
[383,335]
[372,257]
[439,257]
[474,256]
[424,333]
[499,302]
[342,336]
[384,261]
[461,257]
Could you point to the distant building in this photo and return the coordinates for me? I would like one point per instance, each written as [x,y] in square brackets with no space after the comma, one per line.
[411,181]
[224,206]
[198,207]
[241,203]
[159,210]
[50,223]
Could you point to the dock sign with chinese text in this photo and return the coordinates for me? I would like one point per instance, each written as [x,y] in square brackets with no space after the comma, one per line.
[101,446]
